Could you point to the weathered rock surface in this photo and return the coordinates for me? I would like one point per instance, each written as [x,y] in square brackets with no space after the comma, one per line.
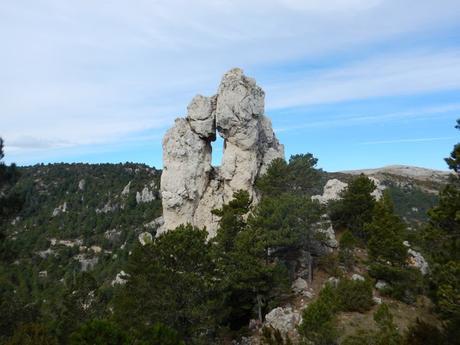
[201,118]
[145,238]
[60,209]
[190,186]
[126,189]
[300,287]
[357,276]
[331,191]
[334,188]
[120,279]
[145,196]
[379,188]
[283,319]
[417,260]
[380,285]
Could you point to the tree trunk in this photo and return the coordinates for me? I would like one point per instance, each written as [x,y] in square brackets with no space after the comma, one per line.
[310,268]
[259,307]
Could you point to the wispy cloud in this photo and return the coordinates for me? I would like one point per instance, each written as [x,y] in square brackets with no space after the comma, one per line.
[84,72]
[380,76]
[402,141]
[356,120]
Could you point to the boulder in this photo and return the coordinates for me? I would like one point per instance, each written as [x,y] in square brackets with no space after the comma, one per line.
[120,279]
[377,300]
[417,260]
[145,238]
[299,285]
[380,285]
[357,277]
[283,319]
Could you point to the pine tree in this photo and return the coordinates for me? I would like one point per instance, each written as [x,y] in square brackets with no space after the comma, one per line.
[172,280]
[299,176]
[355,208]
[386,235]
[246,278]
[442,244]
[10,202]
[98,332]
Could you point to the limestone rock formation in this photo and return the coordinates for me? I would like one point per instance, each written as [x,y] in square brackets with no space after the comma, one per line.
[334,188]
[145,238]
[417,260]
[283,319]
[190,186]
[331,191]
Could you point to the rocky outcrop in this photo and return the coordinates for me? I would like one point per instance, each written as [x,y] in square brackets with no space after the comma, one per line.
[379,188]
[300,287]
[126,189]
[81,184]
[283,319]
[145,196]
[60,209]
[331,191]
[190,186]
[120,279]
[417,260]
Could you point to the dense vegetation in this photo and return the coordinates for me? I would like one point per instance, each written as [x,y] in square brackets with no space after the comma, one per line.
[59,225]
[180,288]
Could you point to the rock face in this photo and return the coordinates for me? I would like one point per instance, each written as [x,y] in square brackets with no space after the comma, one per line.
[190,186]
[145,196]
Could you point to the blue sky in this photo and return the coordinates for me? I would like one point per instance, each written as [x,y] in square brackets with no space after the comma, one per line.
[358,83]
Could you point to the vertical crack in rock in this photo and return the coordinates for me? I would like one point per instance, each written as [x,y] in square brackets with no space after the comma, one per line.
[190,186]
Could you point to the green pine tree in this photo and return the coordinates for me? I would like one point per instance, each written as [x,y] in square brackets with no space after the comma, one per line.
[386,235]
[355,208]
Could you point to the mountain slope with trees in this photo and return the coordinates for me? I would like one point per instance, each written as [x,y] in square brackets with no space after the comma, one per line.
[77,266]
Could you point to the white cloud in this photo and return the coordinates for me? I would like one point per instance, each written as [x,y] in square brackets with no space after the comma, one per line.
[356,120]
[331,5]
[408,140]
[84,72]
[404,74]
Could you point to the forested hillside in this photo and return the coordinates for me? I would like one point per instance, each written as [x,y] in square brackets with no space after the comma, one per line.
[73,265]
[74,219]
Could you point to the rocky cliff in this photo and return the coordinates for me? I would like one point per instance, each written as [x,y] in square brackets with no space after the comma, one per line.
[190,186]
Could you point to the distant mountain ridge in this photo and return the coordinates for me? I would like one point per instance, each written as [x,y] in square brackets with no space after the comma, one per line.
[418,173]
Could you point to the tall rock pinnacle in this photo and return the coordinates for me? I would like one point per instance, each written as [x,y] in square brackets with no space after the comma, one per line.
[190,186]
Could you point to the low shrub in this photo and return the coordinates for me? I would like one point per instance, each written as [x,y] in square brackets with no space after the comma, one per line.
[347,245]
[422,333]
[98,332]
[330,264]
[319,324]
[355,295]
[272,336]
[405,283]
